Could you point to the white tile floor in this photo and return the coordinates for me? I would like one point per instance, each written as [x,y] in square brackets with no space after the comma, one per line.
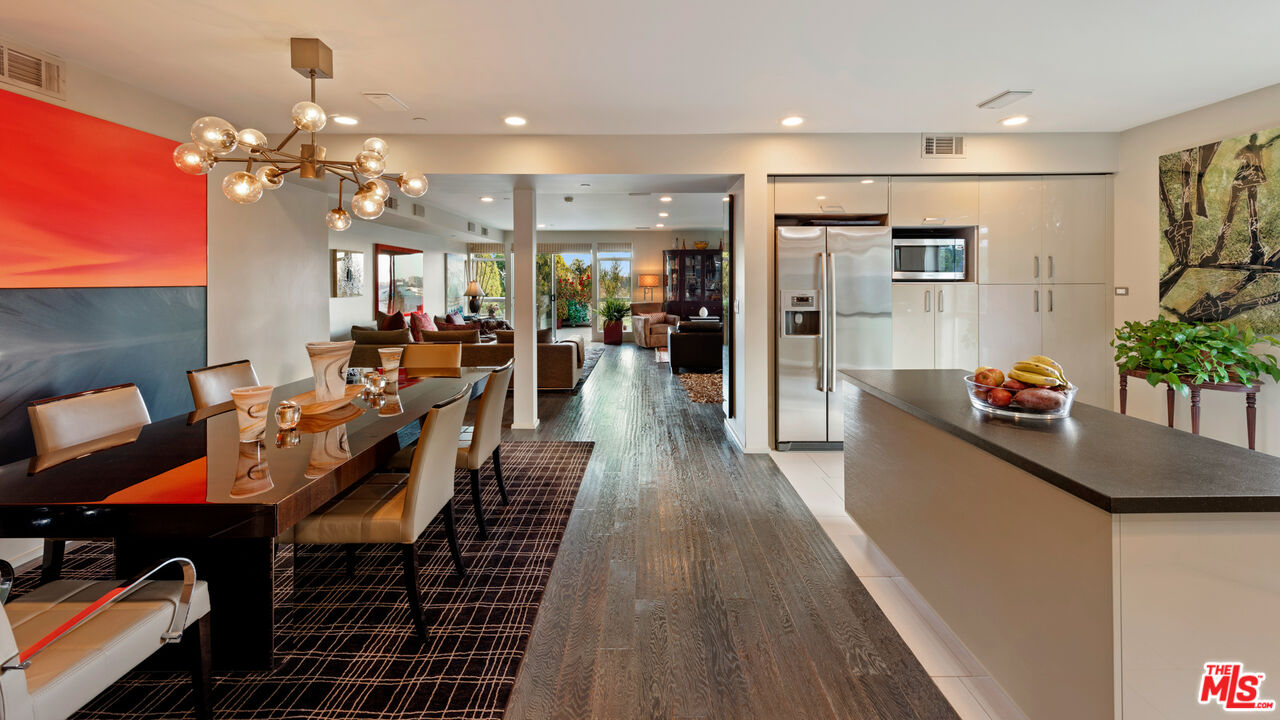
[818,477]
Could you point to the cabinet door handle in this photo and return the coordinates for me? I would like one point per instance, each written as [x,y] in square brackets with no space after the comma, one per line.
[1037,301]
[1050,301]
[934,221]
[940,300]
[1050,266]
[1037,270]
[927,293]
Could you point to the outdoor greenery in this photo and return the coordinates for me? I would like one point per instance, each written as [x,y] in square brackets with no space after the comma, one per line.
[614,309]
[614,282]
[573,292]
[1179,353]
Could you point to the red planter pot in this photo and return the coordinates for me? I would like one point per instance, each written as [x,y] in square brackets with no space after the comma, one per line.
[613,333]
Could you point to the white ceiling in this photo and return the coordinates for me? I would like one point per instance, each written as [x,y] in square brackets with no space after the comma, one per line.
[600,202]
[676,66]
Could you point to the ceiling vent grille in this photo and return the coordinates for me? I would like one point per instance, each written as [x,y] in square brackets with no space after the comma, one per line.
[942,146]
[484,231]
[419,210]
[40,72]
[471,227]
[393,203]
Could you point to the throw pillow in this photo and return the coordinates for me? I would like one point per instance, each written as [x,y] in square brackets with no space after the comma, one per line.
[656,318]
[394,321]
[440,320]
[418,323]
[456,319]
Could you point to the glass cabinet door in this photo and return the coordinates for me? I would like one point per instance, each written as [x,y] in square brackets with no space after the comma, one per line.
[673,275]
[693,278]
[714,277]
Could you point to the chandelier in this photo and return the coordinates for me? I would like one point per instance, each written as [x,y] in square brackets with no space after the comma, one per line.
[215,140]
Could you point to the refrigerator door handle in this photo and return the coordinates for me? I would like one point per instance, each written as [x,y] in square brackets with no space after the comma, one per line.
[822,329]
[831,321]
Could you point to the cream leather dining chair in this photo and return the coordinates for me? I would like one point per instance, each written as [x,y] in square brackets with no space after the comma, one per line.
[66,641]
[396,508]
[213,385]
[71,426]
[486,437]
[432,355]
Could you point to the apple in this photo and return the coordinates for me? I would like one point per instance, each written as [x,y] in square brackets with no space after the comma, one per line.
[1000,397]
[1014,385]
[989,376]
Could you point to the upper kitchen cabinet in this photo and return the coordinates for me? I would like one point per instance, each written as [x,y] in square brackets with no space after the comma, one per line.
[1075,229]
[831,195]
[924,201]
[1010,230]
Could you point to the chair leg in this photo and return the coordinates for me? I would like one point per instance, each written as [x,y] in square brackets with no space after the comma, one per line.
[295,558]
[350,552]
[475,499]
[410,554]
[451,533]
[497,472]
[51,567]
[195,644]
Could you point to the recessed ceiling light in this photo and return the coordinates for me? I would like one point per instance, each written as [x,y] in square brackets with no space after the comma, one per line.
[664,214]
[344,119]
[541,225]
[1015,120]
[821,197]
[514,120]
[792,121]
[868,181]
[659,225]
[665,198]
[486,198]
[724,199]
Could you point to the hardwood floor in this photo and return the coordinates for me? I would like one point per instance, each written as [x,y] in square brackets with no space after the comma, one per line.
[693,582]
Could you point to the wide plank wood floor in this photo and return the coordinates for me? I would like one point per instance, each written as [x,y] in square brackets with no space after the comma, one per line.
[693,582]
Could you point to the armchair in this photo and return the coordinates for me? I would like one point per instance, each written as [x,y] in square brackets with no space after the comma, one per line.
[649,324]
[66,641]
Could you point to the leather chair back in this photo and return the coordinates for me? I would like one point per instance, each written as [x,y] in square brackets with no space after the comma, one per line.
[15,703]
[432,355]
[69,426]
[488,427]
[213,385]
[430,482]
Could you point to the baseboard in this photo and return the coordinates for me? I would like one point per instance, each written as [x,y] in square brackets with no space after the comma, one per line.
[521,426]
[733,434]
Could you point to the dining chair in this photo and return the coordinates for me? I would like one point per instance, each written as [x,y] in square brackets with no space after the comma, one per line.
[65,642]
[213,385]
[72,426]
[396,508]
[432,355]
[486,437]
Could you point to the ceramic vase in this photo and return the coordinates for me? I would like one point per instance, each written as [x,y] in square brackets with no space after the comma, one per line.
[252,404]
[329,365]
[253,475]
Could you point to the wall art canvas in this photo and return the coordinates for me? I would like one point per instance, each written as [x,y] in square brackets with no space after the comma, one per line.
[1220,232]
[348,273]
[455,283]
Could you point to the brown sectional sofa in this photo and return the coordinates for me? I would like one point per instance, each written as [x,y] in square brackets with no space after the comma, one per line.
[559,363]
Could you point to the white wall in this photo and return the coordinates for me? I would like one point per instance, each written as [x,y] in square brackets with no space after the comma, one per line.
[361,237]
[1137,251]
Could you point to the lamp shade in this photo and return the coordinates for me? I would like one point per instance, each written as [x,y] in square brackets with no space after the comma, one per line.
[650,281]
[473,289]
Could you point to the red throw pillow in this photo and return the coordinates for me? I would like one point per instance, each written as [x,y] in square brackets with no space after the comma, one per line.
[419,323]
[394,321]
[456,319]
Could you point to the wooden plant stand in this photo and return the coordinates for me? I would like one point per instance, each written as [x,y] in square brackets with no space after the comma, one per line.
[1250,400]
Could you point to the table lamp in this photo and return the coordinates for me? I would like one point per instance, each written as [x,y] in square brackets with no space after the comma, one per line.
[475,293]
[649,282]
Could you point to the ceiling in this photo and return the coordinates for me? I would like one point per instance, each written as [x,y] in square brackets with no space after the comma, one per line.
[600,202]
[674,66]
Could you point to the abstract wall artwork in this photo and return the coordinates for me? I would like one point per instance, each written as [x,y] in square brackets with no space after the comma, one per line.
[455,283]
[348,273]
[1220,232]
[96,287]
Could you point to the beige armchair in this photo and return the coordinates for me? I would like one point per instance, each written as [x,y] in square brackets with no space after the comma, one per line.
[67,641]
[645,328]
[485,439]
[396,508]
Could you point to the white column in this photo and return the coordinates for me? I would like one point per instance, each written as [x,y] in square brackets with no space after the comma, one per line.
[524,308]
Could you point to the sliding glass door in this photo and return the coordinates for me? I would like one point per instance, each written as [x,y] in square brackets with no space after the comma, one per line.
[546,291]
[613,263]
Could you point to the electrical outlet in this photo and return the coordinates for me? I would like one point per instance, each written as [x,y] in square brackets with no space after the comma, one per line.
[1122,291]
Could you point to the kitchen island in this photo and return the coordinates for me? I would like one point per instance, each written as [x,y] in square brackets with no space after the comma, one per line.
[1093,564]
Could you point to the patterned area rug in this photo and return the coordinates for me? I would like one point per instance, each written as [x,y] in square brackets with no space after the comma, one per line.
[346,648]
[703,388]
[662,355]
[589,361]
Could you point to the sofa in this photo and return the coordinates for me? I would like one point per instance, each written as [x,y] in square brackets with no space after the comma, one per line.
[559,363]
[650,323]
[697,346]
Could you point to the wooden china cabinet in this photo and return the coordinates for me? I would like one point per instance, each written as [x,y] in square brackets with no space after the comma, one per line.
[694,280]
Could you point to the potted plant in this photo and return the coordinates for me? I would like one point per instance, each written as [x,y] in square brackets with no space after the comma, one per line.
[612,311]
[1180,353]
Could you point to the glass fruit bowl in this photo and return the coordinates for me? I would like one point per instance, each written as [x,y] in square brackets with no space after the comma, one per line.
[1006,403]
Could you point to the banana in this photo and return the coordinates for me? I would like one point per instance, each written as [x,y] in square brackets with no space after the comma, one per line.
[1046,360]
[1031,378]
[1038,368]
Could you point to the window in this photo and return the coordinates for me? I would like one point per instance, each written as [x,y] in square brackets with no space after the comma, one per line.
[399,279]
[615,279]
[491,272]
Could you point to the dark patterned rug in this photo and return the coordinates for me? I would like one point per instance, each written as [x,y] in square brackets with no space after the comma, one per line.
[346,648]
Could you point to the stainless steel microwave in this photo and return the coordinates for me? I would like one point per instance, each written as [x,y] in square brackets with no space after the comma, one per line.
[928,258]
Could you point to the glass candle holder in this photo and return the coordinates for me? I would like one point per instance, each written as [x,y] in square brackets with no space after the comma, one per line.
[288,438]
[288,414]
[374,382]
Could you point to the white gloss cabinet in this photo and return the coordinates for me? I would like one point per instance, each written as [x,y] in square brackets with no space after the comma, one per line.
[831,195]
[1075,229]
[1010,229]
[1051,229]
[924,201]
[1011,324]
[935,325]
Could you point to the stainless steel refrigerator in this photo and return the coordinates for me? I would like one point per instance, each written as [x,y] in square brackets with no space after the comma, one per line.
[835,311]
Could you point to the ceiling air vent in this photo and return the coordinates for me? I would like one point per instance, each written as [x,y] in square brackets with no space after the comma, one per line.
[484,231]
[393,203]
[419,210]
[471,227]
[40,72]
[942,146]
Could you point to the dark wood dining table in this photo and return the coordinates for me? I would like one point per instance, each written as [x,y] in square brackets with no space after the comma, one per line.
[187,486]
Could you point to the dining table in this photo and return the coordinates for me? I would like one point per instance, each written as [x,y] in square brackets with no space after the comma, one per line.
[188,486]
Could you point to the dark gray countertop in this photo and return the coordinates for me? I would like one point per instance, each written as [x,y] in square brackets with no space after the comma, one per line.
[1120,464]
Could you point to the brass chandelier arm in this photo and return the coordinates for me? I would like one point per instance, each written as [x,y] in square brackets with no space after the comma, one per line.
[286,140]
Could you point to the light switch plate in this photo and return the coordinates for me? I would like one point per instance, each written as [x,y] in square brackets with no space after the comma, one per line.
[1122,291]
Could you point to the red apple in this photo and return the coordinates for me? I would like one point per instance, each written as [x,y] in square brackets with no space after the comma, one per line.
[1014,385]
[1000,397]
[989,376]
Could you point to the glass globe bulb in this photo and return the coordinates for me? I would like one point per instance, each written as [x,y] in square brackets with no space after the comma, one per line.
[251,138]
[377,145]
[242,187]
[192,159]
[214,134]
[378,189]
[269,176]
[366,206]
[370,164]
[337,219]
[308,117]
[413,184]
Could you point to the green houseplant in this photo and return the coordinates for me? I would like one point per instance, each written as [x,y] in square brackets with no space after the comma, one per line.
[1179,353]
[612,311]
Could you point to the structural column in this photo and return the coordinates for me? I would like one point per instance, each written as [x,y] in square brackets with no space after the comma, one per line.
[524,308]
